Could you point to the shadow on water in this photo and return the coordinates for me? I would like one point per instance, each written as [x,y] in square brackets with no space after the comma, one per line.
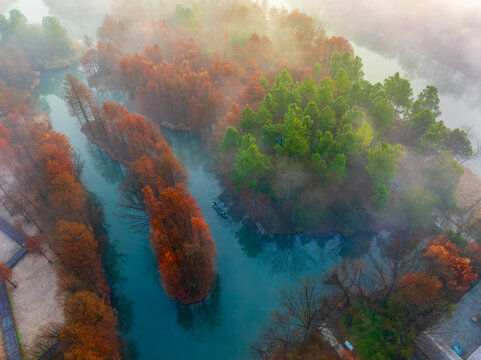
[280,254]
[251,243]
[287,254]
[294,255]
[356,245]
[251,266]
[189,148]
[110,170]
[201,319]
[113,260]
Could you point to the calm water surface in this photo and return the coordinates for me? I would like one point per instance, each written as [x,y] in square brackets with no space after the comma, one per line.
[250,267]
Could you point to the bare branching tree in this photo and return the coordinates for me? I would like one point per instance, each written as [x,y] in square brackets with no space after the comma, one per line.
[346,278]
[49,336]
[377,275]
[302,309]
[132,203]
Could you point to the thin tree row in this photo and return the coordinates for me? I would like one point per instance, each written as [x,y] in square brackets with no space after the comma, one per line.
[180,237]
[46,190]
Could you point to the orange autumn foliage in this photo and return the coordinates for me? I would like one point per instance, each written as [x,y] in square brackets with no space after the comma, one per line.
[16,71]
[181,238]
[33,243]
[68,197]
[179,235]
[419,288]
[65,193]
[78,252]
[12,100]
[162,171]
[188,79]
[252,93]
[54,154]
[88,309]
[131,132]
[231,118]
[176,94]
[473,252]
[90,331]
[47,191]
[446,263]
[137,142]
[5,272]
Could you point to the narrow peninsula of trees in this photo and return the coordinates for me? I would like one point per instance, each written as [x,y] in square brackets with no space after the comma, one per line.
[180,237]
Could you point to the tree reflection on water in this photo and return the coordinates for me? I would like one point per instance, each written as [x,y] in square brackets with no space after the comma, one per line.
[200,319]
[110,170]
[287,254]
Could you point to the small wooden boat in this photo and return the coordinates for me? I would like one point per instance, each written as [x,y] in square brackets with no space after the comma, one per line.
[218,209]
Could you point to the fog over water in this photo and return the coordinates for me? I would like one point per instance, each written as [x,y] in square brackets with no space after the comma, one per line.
[429,42]
[434,40]
[235,312]
[80,17]
[446,30]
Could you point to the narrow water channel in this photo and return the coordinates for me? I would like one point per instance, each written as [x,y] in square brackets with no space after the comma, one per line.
[250,267]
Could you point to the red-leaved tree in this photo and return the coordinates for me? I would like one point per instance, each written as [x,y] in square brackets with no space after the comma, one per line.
[446,263]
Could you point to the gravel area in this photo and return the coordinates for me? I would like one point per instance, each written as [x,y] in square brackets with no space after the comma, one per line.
[468,193]
[35,301]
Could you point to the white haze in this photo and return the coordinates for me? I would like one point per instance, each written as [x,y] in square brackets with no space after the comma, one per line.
[80,17]
[34,10]
[436,39]
[5,5]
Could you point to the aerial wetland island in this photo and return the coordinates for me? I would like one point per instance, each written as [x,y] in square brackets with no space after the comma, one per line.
[240,179]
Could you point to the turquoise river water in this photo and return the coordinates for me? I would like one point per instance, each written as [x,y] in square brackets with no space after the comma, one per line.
[250,267]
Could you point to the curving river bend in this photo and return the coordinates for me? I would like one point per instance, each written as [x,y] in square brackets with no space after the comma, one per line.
[251,267]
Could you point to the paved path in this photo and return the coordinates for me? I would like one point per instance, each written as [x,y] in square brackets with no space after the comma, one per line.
[16,257]
[329,336]
[8,327]
[6,319]
[13,233]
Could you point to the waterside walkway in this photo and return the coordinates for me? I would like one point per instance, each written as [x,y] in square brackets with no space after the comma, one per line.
[8,327]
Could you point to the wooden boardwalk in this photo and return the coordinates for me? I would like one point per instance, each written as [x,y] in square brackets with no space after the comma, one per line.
[12,233]
[16,257]
[8,327]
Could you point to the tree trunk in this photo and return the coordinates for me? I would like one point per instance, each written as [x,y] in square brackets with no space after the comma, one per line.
[45,256]
[15,286]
